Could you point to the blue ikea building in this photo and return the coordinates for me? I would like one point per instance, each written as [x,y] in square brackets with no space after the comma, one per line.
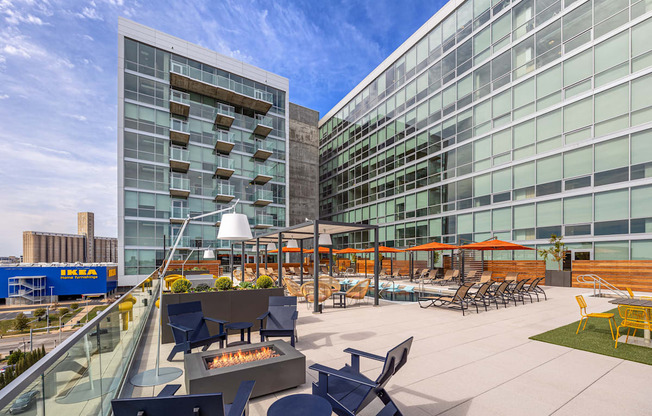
[37,283]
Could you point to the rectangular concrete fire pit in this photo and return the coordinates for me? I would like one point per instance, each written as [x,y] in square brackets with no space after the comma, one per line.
[282,368]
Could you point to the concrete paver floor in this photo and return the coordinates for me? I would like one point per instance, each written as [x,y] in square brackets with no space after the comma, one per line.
[478,364]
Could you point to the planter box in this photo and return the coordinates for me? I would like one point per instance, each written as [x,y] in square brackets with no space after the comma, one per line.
[558,278]
[187,272]
[230,305]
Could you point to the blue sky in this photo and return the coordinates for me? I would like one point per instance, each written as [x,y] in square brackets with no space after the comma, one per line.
[58,88]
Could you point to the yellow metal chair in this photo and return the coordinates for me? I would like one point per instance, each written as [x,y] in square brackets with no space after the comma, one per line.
[631,294]
[171,279]
[585,316]
[633,317]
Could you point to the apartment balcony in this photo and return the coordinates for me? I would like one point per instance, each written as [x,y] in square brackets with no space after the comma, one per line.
[263,197]
[261,175]
[224,192]
[263,125]
[261,150]
[179,186]
[178,214]
[179,103]
[184,242]
[263,221]
[225,167]
[179,132]
[219,87]
[179,159]
[224,115]
[224,143]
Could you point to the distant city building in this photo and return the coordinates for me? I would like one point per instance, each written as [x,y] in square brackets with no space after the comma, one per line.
[11,259]
[31,283]
[84,247]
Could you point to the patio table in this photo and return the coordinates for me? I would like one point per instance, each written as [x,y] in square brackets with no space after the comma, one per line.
[643,303]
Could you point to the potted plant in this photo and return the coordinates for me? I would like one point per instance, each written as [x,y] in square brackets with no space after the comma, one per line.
[556,252]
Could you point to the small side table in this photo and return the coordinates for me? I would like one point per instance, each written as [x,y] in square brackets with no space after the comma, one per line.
[241,326]
[340,302]
[300,405]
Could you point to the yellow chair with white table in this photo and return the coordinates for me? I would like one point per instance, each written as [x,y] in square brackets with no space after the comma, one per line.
[633,317]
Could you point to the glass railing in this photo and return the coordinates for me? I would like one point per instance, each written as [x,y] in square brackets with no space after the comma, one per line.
[262,170]
[180,154]
[179,182]
[180,97]
[87,370]
[263,195]
[179,212]
[225,163]
[221,81]
[224,189]
[263,146]
[264,219]
[225,136]
[179,125]
[225,110]
[264,121]
[184,242]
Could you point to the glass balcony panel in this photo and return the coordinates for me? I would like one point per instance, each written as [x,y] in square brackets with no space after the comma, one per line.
[263,125]
[224,115]
[179,125]
[263,221]
[180,97]
[224,141]
[180,154]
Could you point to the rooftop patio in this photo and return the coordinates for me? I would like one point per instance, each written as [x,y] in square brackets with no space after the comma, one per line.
[476,364]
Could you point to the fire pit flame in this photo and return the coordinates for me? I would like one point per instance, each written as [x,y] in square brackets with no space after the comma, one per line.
[240,357]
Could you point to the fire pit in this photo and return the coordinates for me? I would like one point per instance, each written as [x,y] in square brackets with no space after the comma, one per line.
[274,365]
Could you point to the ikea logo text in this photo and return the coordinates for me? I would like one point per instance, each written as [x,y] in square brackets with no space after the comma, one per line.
[112,272]
[79,274]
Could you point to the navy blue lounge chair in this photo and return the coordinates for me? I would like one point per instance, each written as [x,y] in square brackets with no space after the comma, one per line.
[281,318]
[192,405]
[189,328]
[348,391]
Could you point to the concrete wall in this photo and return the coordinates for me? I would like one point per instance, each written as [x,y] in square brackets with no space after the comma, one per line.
[304,164]
[41,247]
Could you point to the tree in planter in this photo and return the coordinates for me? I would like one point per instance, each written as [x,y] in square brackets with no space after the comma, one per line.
[555,252]
[39,312]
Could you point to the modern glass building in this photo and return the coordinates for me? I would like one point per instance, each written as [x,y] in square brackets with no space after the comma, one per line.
[514,120]
[196,131]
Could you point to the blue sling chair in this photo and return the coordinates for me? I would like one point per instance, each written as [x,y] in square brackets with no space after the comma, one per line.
[348,391]
[166,403]
[281,318]
[189,328]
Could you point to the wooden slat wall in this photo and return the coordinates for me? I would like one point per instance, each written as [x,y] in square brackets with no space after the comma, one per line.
[636,274]
[212,266]
[526,269]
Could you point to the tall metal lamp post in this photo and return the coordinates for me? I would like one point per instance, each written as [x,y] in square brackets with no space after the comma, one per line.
[233,227]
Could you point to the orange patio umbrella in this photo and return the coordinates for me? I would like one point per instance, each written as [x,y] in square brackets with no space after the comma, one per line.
[434,246]
[381,249]
[321,250]
[350,250]
[494,245]
[286,250]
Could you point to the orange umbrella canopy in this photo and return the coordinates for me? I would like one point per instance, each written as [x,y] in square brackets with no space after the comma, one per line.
[348,250]
[321,250]
[495,245]
[383,249]
[286,250]
[432,246]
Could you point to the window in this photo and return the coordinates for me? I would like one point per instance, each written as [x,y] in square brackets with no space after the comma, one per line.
[522,56]
[548,169]
[549,213]
[524,216]
[578,162]
[523,93]
[549,125]
[612,205]
[578,67]
[609,54]
[612,154]
[524,134]
[502,219]
[578,114]
[578,210]
[577,21]
[611,108]
[612,250]
[641,45]
[641,147]
[641,201]
[549,81]
[523,175]
[641,100]
[482,221]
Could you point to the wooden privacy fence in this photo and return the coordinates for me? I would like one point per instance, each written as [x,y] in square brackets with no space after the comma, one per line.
[526,269]
[635,274]
[213,267]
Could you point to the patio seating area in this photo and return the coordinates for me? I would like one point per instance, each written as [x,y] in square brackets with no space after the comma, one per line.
[456,364]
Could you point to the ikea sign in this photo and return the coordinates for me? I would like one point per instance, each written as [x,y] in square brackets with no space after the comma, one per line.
[64,280]
[78,273]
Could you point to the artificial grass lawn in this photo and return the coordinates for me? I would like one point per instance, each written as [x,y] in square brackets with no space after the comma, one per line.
[596,338]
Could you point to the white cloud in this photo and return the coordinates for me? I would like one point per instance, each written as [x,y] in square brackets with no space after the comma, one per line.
[89,13]
[4,96]
[78,117]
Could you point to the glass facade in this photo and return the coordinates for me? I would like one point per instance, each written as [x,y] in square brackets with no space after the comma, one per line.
[515,120]
[196,137]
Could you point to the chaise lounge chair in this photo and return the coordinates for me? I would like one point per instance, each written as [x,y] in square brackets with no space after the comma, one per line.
[460,299]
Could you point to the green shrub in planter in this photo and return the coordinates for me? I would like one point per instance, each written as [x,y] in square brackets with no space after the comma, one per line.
[74,306]
[223,283]
[246,285]
[181,286]
[202,287]
[264,282]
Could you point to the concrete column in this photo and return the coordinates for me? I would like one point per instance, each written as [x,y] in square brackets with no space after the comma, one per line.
[79,255]
[50,256]
[42,249]
[71,254]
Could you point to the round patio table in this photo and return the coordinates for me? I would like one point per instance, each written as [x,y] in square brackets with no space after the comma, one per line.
[300,405]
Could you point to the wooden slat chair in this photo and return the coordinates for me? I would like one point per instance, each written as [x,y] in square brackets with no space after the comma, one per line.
[166,403]
[189,328]
[281,319]
[584,316]
[460,299]
[349,391]
[359,291]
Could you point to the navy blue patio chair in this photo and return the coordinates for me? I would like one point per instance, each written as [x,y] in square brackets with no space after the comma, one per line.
[349,391]
[166,403]
[281,318]
[189,328]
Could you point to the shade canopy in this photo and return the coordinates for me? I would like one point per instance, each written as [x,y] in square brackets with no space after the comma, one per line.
[382,249]
[432,247]
[321,250]
[349,250]
[234,227]
[286,250]
[494,245]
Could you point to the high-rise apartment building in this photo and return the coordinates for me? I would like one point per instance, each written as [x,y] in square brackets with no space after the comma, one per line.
[515,120]
[196,131]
